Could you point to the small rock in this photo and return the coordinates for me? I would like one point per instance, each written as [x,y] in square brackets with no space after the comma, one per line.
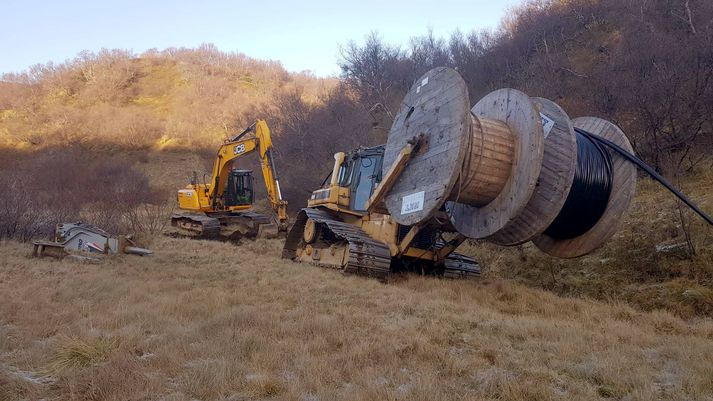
[679,250]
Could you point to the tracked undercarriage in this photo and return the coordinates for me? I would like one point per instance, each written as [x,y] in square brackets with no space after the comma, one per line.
[228,226]
[320,237]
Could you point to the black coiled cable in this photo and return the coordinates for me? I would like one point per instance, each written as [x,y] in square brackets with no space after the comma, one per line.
[650,171]
[588,198]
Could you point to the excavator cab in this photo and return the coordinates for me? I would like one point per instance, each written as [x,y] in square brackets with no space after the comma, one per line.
[239,188]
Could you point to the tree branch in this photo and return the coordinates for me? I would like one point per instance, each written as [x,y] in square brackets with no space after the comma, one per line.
[575,73]
[688,18]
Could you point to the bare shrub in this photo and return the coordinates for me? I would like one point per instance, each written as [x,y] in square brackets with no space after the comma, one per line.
[19,217]
[307,135]
[147,221]
[70,185]
[585,55]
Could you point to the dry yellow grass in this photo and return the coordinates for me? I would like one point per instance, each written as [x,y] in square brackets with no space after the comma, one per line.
[211,321]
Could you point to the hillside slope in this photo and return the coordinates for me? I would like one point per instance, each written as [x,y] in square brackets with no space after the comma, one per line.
[202,320]
[158,99]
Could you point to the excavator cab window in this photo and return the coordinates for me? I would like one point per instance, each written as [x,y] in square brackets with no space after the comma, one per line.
[239,189]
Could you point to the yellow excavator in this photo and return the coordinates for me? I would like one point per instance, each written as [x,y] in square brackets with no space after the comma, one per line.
[346,225]
[222,207]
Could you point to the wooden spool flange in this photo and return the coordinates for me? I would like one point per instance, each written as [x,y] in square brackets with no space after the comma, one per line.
[516,110]
[435,108]
[623,188]
[558,166]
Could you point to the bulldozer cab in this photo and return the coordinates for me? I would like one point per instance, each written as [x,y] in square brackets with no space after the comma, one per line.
[239,188]
[353,179]
[363,173]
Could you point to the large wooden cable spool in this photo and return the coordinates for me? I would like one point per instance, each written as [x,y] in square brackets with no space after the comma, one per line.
[518,113]
[555,180]
[485,163]
[506,170]
[623,187]
[436,110]
[488,164]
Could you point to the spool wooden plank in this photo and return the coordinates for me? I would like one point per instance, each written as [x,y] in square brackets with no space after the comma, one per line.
[623,189]
[515,109]
[437,107]
[558,167]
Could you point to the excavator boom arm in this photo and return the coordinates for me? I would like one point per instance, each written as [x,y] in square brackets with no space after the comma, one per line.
[269,172]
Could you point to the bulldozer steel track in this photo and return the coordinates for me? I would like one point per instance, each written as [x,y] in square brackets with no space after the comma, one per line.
[367,257]
[459,266]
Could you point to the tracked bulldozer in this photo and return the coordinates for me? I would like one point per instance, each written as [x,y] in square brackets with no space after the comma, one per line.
[223,207]
[347,227]
[509,170]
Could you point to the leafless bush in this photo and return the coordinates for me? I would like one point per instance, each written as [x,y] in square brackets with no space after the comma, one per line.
[20,215]
[585,55]
[308,135]
[69,185]
[147,221]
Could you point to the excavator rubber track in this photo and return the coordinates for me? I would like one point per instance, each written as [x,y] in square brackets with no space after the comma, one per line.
[367,257]
[229,226]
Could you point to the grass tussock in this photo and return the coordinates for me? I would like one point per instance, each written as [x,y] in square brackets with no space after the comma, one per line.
[211,321]
[77,353]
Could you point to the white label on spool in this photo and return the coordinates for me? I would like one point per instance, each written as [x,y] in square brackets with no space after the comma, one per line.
[423,83]
[412,203]
[547,124]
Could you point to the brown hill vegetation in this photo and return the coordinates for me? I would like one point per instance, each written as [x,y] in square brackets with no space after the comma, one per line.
[171,98]
[646,66]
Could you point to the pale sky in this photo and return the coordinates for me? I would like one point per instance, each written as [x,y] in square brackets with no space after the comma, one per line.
[303,35]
